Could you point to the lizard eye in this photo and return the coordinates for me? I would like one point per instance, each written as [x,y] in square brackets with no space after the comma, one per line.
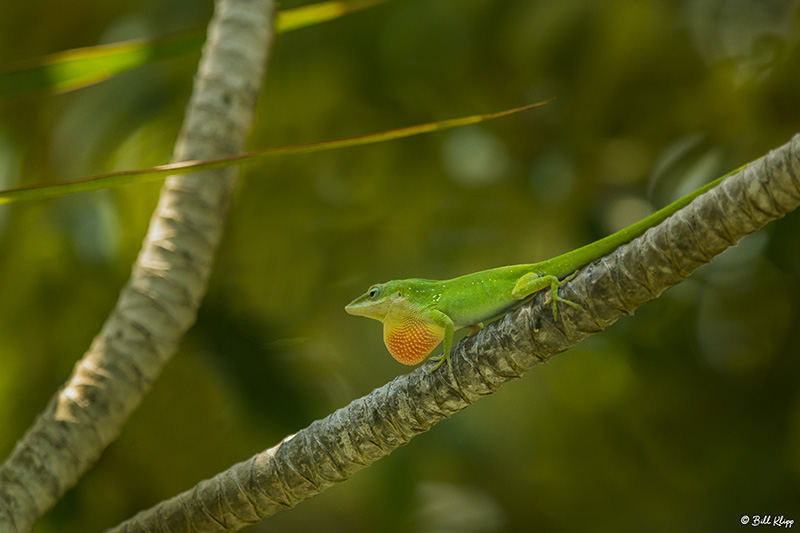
[373,292]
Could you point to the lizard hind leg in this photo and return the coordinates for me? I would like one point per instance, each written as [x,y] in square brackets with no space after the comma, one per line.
[533,282]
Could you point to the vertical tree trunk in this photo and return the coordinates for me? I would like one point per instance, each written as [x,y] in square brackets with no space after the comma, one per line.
[168,281]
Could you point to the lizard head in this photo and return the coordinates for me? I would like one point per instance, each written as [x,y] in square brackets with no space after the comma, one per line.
[377,301]
[408,334]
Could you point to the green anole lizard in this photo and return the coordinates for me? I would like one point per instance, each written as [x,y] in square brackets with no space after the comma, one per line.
[418,314]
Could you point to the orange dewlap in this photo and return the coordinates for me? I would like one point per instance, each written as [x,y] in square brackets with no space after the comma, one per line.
[409,339]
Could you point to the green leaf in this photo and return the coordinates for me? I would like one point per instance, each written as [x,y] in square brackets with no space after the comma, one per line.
[80,67]
[73,69]
[293,19]
[129,177]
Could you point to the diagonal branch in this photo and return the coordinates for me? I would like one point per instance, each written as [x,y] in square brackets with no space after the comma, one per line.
[329,451]
[168,281]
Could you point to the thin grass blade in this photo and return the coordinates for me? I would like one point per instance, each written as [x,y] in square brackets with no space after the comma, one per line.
[130,177]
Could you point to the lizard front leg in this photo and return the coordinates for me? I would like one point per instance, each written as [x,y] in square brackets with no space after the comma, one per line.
[443,321]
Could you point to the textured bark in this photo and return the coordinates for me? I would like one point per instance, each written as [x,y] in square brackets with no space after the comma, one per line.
[331,450]
[168,281]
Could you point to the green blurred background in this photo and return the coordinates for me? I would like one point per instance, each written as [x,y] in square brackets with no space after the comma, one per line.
[683,417]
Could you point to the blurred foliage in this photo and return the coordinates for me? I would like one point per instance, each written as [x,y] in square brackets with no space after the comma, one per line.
[80,67]
[683,417]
